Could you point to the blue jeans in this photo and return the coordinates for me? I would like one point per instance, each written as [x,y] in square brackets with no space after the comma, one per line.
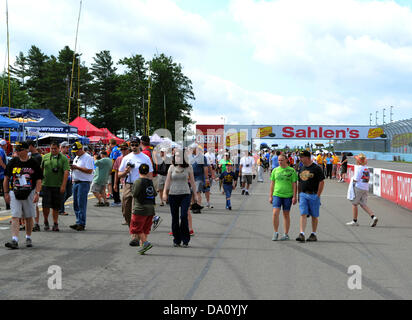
[309,204]
[180,230]
[68,193]
[228,188]
[80,195]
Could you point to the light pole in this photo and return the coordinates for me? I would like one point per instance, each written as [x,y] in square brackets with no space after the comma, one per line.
[376,118]
[391,114]
[383,116]
[370,119]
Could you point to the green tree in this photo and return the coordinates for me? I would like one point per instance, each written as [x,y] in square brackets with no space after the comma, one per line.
[20,97]
[132,92]
[104,93]
[170,95]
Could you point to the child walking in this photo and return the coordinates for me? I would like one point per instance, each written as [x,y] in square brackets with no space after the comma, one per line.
[229,179]
[144,195]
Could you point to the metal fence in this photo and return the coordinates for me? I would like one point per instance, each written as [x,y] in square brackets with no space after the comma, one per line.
[399,140]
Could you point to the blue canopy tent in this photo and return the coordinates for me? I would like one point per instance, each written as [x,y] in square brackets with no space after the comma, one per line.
[8,123]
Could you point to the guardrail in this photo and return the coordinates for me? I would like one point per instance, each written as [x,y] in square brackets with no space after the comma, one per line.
[395,186]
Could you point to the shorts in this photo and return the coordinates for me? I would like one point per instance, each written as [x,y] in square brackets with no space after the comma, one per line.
[279,202]
[247,179]
[309,204]
[343,170]
[97,188]
[200,186]
[161,182]
[361,197]
[140,224]
[22,208]
[51,197]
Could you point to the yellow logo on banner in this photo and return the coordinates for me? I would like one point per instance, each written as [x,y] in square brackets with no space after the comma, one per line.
[264,132]
[235,139]
[375,133]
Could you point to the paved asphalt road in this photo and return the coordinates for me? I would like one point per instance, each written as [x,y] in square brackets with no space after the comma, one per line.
[389,165]
[231,255]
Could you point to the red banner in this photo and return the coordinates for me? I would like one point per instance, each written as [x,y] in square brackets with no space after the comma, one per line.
[389,185]
[404,189]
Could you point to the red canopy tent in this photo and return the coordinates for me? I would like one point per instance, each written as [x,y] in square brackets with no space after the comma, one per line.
[86,128]
[108,135]
[96,139]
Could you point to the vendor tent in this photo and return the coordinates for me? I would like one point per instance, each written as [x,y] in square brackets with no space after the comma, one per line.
[8,123]
[85,128]
[108,135]
[50,124]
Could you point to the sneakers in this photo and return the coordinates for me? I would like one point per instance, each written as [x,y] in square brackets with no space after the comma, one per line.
[247,193]
[55,227]
[134,243]
[74,227]
[176,245]
[275,236]
[100,204]
[185,245]
[78,227]
[107,204]
[374,222]
[63,214]
[36,228]
[114,204]
[13,245]
[209,206]
[312,238]
[29,243]
[285,238]
[353,224]
[46,226]
[243,192]
[146,246]
[300,238]
[156,222]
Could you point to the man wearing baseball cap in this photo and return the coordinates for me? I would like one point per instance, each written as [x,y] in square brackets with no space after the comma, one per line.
[82,175]
[64,149]
[310,186]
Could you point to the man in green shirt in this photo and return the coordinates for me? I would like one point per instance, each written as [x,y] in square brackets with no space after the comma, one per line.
[222,166]
[283,190]
[102,172]
[55,168]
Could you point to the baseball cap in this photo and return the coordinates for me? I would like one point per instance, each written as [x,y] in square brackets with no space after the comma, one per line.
[31,143]
[134,140]
[124,146]
[77,146]
[3,142]
[22,146]
[305,153]
[64,144]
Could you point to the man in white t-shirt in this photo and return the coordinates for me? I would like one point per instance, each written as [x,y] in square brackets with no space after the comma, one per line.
[247,164]
[82,175]
[361,189]
[129,169]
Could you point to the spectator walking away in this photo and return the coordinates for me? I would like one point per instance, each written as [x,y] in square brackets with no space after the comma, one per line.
[201,173]
[22,185]
[247,164]
[343,168]
[177,190]
[311,184]
[144,194]
[82,173]
[124,149]
[163,163]
[275,160]
[229,183]
[102,173]
[147,149]
[3,164]
[283,194]
[55,168]
[114,154]
[64,149]
[129,170]
[360,184]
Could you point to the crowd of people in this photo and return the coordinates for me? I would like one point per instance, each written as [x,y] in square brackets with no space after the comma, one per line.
[179,176]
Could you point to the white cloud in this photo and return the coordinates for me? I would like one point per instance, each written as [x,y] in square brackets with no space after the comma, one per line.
[332,39]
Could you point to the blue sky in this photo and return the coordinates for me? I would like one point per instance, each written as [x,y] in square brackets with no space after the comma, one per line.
[251,62]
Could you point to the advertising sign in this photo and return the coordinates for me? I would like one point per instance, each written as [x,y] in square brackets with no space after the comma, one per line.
[389,185]
[404,189]
[377,182]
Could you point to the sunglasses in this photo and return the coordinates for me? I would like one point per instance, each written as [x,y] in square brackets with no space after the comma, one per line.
[134,144]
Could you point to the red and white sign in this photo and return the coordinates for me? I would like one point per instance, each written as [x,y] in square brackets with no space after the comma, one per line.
[404,189]
[388,185]
[210,136]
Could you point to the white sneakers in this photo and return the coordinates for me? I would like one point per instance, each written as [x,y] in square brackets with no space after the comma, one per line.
[355,224]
